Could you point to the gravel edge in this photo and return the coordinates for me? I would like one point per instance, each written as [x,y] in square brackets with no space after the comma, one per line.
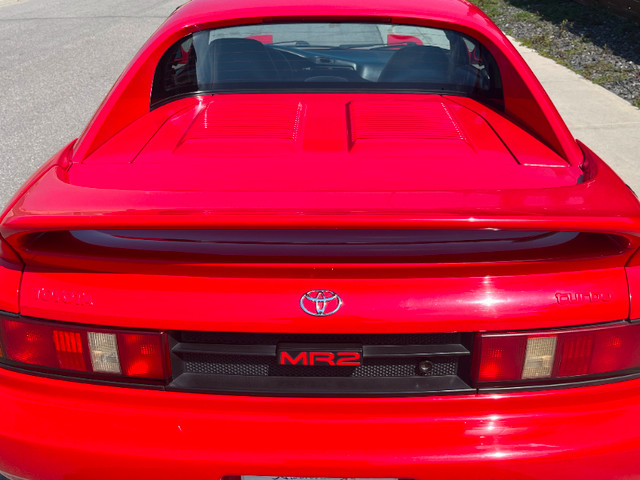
[602,47]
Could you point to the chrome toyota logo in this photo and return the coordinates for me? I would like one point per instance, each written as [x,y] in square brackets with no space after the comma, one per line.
[320,303]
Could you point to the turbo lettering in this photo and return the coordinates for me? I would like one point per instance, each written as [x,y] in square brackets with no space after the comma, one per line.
[581,298]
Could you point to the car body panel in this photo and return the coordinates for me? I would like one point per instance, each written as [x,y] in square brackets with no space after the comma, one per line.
[153,434]
[579,207]
[351,138]
[371,305]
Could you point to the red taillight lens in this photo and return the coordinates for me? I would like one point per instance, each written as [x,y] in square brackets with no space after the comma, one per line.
[40,344]
[26,343]
[142,355]
[69,350]
[501,358]
[85,350]
[576,350]
[526,356]
[600,350]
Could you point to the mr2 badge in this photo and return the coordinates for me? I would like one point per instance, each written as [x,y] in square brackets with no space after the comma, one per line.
[333,355]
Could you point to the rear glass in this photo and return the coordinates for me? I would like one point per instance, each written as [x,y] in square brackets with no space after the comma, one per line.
[317,57]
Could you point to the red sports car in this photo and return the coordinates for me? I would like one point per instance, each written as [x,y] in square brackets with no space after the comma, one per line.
[309,239]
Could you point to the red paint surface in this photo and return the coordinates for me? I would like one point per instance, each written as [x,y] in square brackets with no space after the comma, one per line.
[394,38]
[589,433]
[334,161]
[371,305]
[262,38]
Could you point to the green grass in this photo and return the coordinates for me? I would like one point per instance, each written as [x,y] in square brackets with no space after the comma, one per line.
[556,20]
[524,16]
[490,7]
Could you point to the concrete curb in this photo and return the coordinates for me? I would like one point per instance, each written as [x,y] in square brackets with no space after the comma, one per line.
[609,125]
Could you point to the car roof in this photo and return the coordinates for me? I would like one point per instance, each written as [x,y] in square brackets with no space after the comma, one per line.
[446,8]
[455,11]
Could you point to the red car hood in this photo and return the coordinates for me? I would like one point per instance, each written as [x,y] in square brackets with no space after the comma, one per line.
[325,143]
[312,159]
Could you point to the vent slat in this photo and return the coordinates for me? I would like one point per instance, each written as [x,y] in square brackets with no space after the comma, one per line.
[279,121]
[220,349]
[369,351]
[404,351]
[423,121]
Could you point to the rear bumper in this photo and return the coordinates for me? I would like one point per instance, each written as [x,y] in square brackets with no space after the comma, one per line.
[54,429]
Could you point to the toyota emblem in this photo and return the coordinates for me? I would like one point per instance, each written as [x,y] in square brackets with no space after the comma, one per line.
[320,303]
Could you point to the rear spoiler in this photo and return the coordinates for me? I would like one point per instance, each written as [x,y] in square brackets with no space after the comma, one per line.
[54,204]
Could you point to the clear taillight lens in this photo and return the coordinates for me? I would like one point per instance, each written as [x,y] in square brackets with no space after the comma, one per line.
[546,355]
[85,350]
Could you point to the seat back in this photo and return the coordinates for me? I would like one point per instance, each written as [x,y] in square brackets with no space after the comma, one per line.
[240,60]
[417,63]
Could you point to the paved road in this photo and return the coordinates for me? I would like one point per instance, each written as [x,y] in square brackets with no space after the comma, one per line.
[60,57]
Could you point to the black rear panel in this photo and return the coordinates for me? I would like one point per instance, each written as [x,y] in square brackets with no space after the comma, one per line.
[320,246]
[392,365]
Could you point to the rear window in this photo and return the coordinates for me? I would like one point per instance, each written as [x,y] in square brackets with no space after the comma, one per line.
[317,57]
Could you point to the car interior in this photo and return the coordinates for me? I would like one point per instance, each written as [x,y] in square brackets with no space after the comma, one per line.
[200,63]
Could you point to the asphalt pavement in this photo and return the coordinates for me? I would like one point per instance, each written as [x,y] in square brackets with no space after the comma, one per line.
[60,57]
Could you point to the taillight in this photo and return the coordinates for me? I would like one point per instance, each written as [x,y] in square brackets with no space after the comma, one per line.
[80,350]
[10,276]
[557,355]
[7,254]
[140,355]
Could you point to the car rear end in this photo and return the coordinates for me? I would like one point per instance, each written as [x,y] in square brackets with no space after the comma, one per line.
[191,345]
[359,282]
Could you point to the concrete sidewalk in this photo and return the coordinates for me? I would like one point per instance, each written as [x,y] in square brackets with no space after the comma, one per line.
[609,125]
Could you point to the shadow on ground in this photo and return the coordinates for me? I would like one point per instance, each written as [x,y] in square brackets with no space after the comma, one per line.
[619,35]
